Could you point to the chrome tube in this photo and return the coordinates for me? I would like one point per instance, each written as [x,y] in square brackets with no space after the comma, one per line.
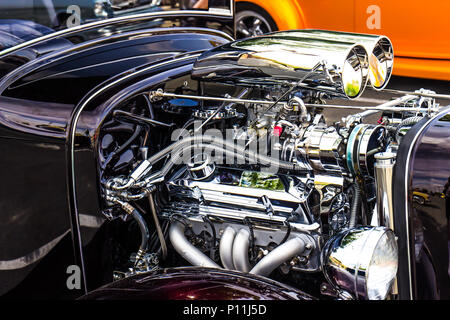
[279,59]
[387,106]
[226,248]
[186,249]
[240,251]
[384,170]
[179,148]
[379,48]
[277,256]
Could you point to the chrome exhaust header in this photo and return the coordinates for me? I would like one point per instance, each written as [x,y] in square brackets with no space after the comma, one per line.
[241,245]
[226,248]
[186,249]
[280,254]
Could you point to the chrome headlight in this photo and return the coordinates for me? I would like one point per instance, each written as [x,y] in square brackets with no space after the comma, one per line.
[362,261]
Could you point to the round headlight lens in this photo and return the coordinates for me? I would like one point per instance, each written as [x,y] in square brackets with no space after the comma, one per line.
[382,267]
[362,261]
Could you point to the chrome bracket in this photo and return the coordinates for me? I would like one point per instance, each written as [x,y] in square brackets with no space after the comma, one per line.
[269,208]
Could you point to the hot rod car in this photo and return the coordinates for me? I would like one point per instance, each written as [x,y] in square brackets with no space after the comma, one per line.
[169,161]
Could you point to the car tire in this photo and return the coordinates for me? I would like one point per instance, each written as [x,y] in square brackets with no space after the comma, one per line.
[253,21]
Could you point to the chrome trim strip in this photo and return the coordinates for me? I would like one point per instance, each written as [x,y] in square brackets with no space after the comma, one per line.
[243,191]
[220,197]
[32,257]
[95,24]
[242,214]
[234,214]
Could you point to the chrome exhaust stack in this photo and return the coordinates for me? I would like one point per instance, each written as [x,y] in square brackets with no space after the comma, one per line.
[340,68]
[379,49]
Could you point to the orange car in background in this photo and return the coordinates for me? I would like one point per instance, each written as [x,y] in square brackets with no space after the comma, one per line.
[419,30]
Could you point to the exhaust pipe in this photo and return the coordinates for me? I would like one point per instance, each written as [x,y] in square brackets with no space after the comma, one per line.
[277,256]
[384,172]
[379,49]
[186,249]
[341,68]
[226,248]
[234,251]
[240,251]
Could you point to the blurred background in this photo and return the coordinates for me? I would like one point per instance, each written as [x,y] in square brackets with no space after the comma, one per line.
[419,30]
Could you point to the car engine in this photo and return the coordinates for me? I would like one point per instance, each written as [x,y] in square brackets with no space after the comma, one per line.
[238,166]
